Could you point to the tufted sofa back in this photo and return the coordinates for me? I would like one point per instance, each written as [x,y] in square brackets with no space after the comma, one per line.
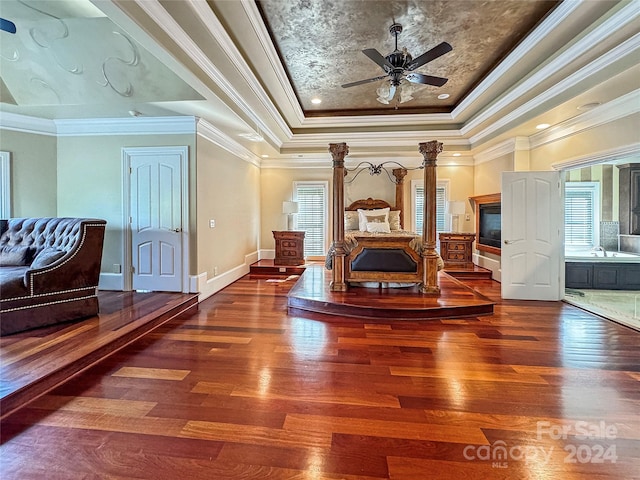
[39,233]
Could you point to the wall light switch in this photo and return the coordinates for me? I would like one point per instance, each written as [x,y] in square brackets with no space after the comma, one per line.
[467,217]
[212,223]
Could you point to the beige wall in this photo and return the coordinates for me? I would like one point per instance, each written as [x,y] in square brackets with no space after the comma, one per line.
[488,175]
[33,173]
[603,138]
[90,181]
[276,186]
[228,191]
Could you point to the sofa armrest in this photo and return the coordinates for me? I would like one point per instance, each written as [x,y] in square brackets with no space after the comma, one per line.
[78,268]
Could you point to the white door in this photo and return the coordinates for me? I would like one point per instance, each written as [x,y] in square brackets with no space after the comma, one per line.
[156,220]
[532,253]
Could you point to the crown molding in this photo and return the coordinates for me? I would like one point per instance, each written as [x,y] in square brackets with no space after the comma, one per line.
[618,20]
[213,24]
[550,23]
[167,23]
[126,126]
[506,147]
[264,39]
[621,107]
[614,154]
[376,139]
[377,120]
[27,124]
[207,131]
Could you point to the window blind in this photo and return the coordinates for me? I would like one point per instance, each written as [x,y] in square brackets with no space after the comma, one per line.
[441,193]
[312,216]
[580,215]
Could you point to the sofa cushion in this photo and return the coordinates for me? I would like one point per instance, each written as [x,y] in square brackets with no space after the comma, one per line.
[12,282]
[46,257]
[17,255]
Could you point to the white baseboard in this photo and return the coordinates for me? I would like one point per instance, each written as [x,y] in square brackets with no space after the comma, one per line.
[490,264]
[217,283]
[111,281]
[267,254]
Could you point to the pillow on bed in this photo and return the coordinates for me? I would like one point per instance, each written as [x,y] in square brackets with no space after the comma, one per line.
[351,221]
[366,216]
[394,219]
[378,227]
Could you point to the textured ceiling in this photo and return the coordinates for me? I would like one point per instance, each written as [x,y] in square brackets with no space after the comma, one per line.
[320,43]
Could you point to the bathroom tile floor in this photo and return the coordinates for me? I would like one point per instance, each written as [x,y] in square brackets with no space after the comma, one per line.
[622,306]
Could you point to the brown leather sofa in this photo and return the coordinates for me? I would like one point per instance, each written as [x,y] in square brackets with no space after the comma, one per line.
[49,271]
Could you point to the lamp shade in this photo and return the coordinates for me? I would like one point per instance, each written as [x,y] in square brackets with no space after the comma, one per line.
[289,207]
[456,208]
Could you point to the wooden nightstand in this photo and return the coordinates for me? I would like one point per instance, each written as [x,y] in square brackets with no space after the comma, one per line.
[456,250]
[289,247]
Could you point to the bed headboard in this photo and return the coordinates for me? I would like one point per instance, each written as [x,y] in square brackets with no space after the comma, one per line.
[369,204]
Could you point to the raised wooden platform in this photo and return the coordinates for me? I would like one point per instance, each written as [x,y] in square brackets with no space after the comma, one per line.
[311,294]
[469,273]
[267,268]
[34,362]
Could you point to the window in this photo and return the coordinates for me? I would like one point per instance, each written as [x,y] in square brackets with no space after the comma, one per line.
[581,219]
[312,215]
[417,187]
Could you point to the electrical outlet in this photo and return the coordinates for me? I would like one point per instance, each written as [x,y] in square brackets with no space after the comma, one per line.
[467,217]
[215,271]
[212,224]
[282,269]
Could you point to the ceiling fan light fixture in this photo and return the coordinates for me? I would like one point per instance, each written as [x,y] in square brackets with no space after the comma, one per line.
[383,100]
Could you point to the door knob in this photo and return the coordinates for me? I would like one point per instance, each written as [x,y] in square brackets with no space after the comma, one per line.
[507,242]
[177,230]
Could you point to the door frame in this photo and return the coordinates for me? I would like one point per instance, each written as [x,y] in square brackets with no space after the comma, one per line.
[127,153]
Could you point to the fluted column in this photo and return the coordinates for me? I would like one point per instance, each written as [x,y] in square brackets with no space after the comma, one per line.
[400,173]
[338,152]
[430,151]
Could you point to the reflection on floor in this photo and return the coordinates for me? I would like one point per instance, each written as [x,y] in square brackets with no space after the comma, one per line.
[622,306]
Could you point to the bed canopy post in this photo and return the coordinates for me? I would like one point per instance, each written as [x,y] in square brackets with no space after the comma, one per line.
[338,152]
[400,173]
[430,151]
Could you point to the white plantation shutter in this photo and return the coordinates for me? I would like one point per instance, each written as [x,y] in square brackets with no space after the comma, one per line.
[581,204]
[312,215]
[441,201]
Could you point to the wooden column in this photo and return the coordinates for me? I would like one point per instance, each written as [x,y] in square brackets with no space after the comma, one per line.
[430,151]
[400,173]
[338,152]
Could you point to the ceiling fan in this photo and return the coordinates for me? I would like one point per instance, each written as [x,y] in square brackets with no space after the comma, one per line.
[398,63]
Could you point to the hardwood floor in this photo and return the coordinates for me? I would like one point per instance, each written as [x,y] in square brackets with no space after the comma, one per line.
[36,360]
[243,390]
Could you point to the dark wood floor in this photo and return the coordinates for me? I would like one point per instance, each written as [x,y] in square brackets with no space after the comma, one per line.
[243,390]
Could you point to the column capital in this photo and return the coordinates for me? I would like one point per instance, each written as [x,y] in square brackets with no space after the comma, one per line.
[430,151]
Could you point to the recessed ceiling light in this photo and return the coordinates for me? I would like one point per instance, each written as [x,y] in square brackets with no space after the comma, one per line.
[457,154]
[316,101]
[589,106]
[542,126]
[443,96]
[264,155]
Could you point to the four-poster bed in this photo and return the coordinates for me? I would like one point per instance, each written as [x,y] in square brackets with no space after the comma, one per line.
[395,257]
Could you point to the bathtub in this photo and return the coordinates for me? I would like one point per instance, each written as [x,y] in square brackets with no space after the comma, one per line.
[592,270]
[589,256]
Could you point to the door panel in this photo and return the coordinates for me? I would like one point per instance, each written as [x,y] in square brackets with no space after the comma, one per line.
[532,216]
[156,220]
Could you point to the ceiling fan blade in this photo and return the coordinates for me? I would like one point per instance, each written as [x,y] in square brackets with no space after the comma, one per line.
[430,55]
[427,79]
[362,82]
[377,57]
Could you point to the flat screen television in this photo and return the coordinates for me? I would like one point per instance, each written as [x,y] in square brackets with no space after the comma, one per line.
[490,224]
